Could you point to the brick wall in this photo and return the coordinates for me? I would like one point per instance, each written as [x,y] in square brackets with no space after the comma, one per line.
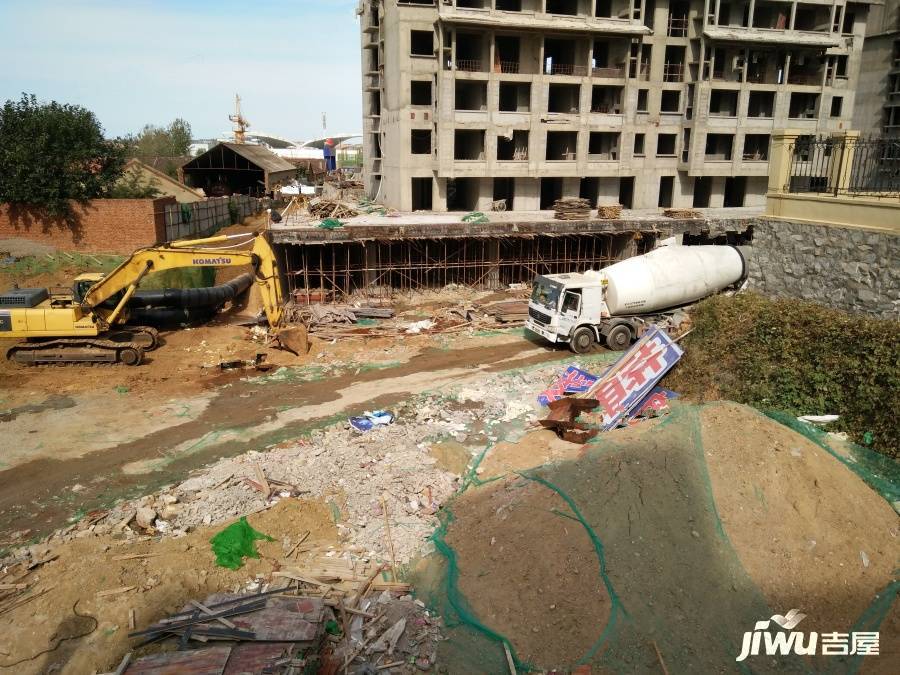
[100,226]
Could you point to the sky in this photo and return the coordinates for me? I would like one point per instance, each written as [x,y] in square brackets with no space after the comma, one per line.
[137,62]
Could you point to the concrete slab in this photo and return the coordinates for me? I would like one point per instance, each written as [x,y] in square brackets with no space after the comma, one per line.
[301,229]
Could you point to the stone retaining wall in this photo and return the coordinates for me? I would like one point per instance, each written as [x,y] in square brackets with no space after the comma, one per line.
[841,267]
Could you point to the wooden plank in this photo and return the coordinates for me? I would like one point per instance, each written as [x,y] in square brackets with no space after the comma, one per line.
[206,661]
[206,610]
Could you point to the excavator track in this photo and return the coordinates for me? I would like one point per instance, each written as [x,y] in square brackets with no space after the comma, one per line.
[144,336]
[76,350]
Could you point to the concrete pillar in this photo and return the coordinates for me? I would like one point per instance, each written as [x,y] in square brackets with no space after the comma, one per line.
[717,198]
[571,187]
[528,194]
[485,194]
[439,194]
[750,15]
[780,159]
[842,160]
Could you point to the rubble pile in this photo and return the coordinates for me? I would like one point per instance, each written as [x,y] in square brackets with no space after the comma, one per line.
[386,475]
[327,208]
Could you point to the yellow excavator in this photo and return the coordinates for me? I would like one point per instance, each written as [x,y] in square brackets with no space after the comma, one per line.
[88,324]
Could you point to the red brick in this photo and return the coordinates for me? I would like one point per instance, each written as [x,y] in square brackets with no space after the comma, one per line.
[100,226]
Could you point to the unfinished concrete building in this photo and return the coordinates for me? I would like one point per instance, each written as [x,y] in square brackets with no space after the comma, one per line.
[877,110]
[647,103]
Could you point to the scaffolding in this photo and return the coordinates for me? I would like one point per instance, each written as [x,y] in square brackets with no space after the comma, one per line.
[380,268]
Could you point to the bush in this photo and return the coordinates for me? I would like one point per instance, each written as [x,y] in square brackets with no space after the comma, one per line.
[798,357]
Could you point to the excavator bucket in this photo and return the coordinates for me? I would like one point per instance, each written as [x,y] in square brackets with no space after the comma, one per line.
[294,339]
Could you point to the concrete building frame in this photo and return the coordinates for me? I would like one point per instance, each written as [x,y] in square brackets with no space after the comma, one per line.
[648,103]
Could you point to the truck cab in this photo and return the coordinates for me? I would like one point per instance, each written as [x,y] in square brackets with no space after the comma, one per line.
[561,304]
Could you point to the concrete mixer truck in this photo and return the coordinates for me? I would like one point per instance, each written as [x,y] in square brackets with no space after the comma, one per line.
[613,306]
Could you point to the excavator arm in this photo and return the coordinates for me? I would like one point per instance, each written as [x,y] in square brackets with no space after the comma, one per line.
[192,253]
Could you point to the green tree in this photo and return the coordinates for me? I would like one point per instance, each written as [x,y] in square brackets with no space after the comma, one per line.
[171,141]
[133,186]
[51,153]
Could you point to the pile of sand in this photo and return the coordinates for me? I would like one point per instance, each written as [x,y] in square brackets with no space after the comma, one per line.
[709,521]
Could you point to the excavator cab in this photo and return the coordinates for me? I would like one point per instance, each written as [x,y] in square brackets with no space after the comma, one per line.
[82,285]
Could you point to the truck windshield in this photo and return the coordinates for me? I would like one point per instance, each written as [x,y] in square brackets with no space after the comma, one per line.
[546,293]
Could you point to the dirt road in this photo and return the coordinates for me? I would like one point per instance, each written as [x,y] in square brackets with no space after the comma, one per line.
[75,452]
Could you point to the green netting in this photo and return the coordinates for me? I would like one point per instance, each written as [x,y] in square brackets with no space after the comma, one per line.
[235,543]
[331,224]
[879,472]
[672,577]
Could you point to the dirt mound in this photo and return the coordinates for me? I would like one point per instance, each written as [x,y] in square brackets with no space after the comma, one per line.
[808,531]
[544,593]
[677,537]
[533,449]
[171,571]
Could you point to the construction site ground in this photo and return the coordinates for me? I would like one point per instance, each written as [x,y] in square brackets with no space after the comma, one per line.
[650,549]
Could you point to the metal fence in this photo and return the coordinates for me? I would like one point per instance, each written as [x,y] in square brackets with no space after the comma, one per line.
[201,219]
[853,166]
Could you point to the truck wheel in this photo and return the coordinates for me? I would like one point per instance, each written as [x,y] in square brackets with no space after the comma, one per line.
[582,340]
[619,338]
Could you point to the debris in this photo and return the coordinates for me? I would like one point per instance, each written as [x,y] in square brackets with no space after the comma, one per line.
[145,517]
[625,385]
[475,218]
[206,660]
[509,658]
[331,224]
[508,311]
[656,403]
[563,413]
[294,339]
[134,556]
[662,664]
[115,591]
[418,326]
[572,381]
[388,640]
[123,664]
[818,419]
[369,420]
[206,610]
[373,312]
[235,543]
[327,209]
[261,479]
[390,540]
[609,211]
[571,208]
[682,213]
